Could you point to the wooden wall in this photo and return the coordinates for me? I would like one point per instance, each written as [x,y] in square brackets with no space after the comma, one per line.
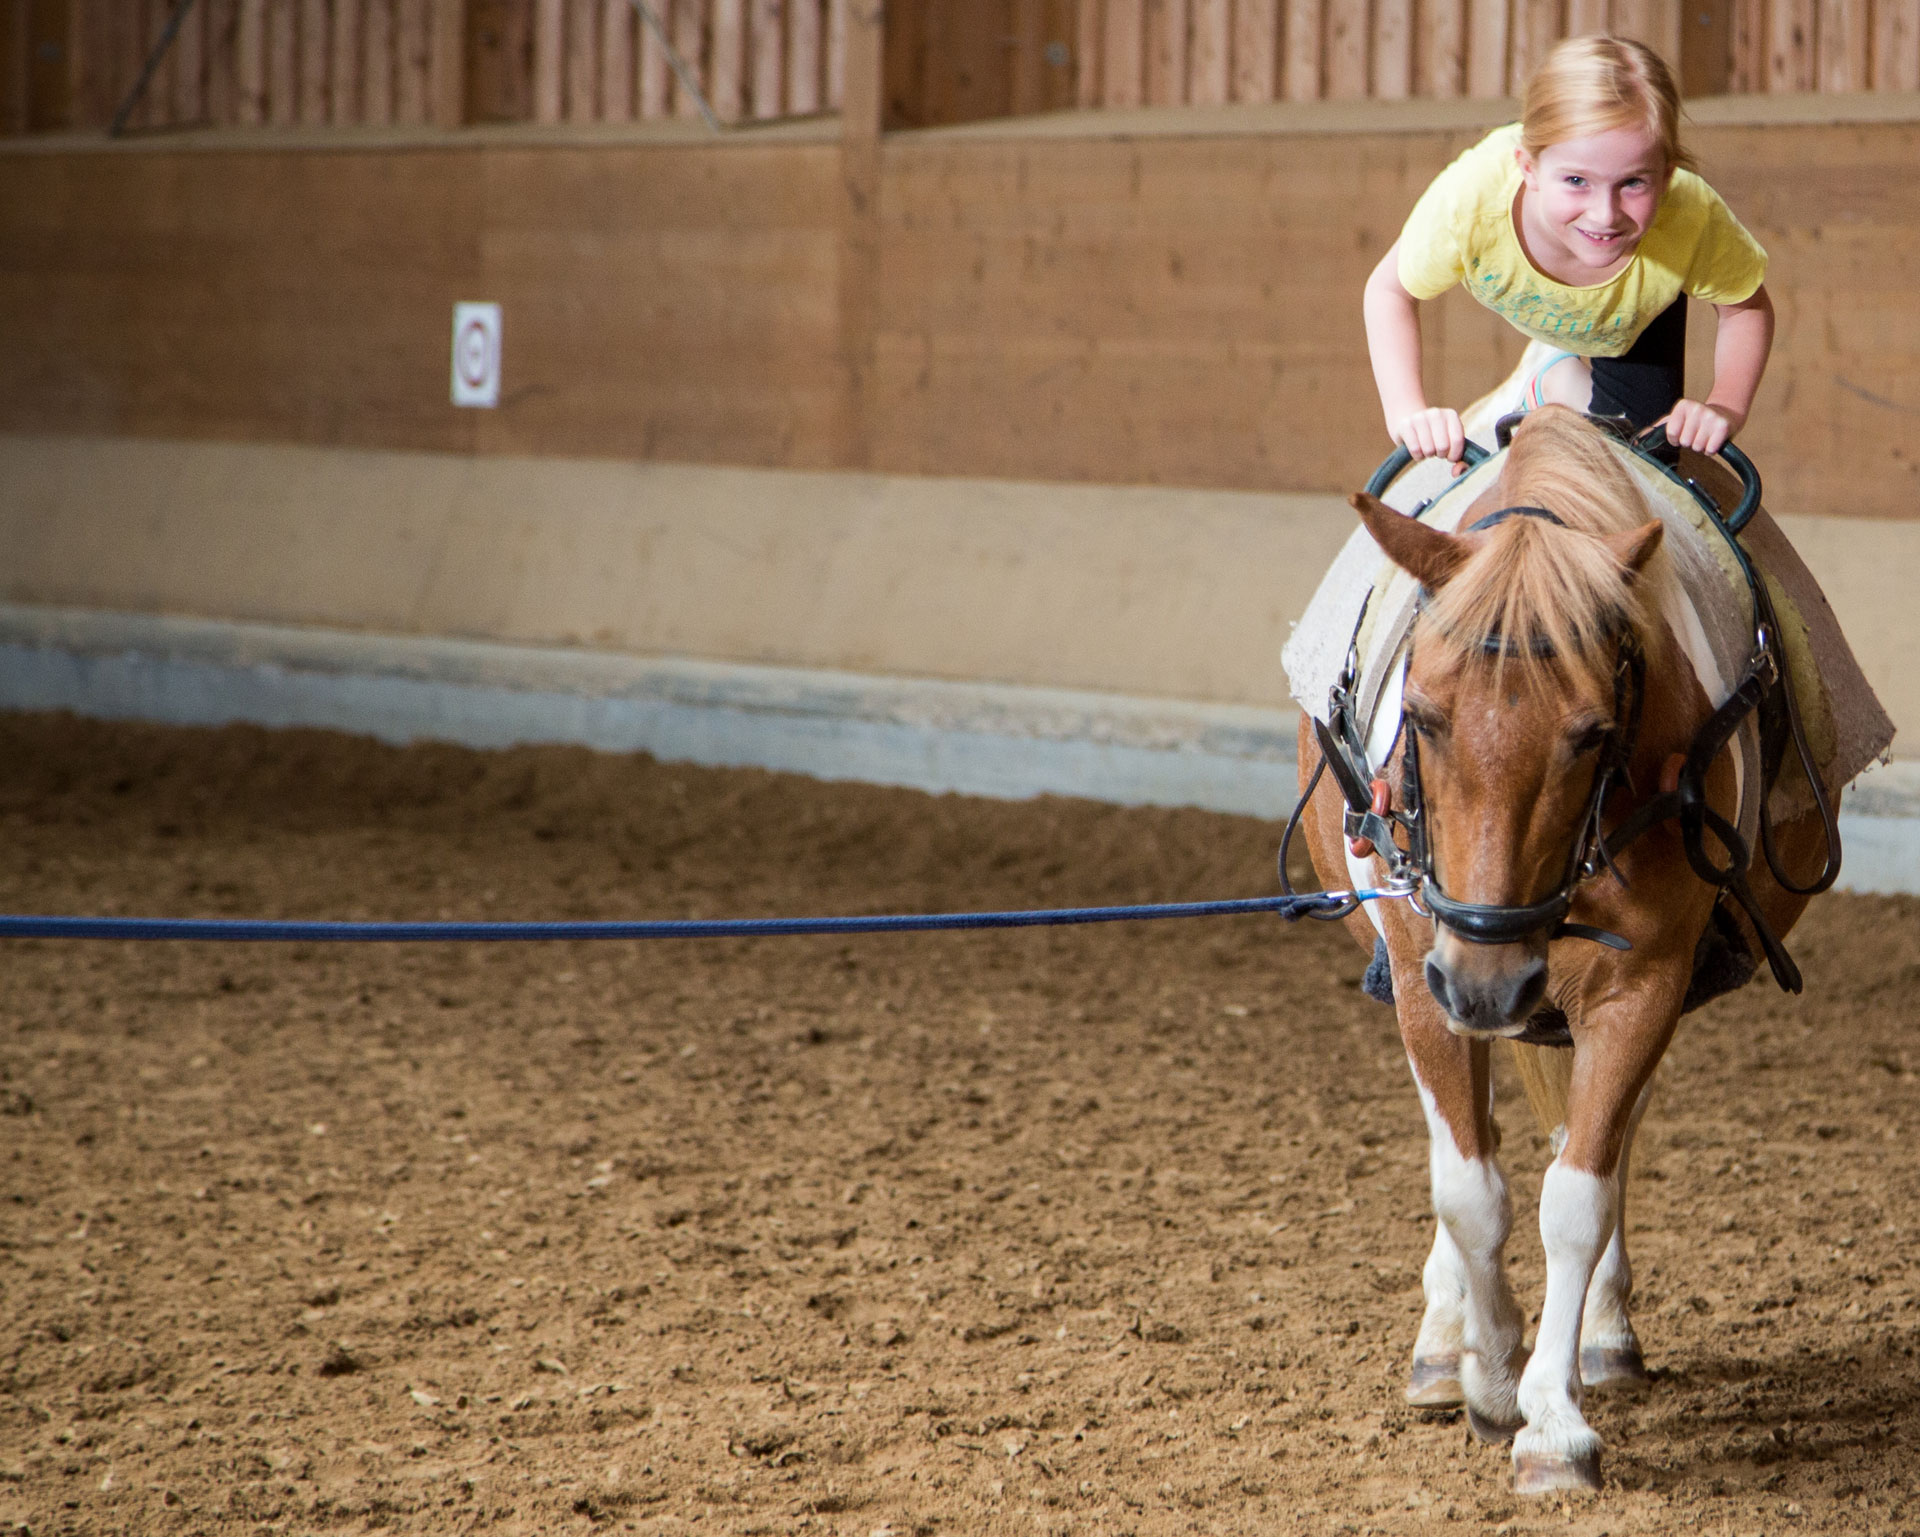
[1172,310]
[68,63]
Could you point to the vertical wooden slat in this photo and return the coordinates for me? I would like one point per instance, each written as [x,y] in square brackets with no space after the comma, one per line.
[1747,72]
[1348,25]
[1123,73]
[1706,46]
[1304,72]
[413,61]
[376,69]
[803,57]
[867,104]
[313,62]
[1537,26]
[651,73]
[1790,45]
[283,61]
[447,63]
[1486,48]
[1027,42]
[1256,50]
[1166,27]
[836,53]
[1586,18]
[222,53]
[131,37]
[1090,24]
[727,78]
[1845,37]
[616,61]
[344,80]
[250,62]
[1441,55]
[1902,72]
[16,66]
[549,59]
[690,42]
[1392,49]
[190,67]
[1210,71]
[583,65]
[766,40]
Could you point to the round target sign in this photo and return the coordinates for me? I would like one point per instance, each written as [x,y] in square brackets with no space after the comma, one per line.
[476,354]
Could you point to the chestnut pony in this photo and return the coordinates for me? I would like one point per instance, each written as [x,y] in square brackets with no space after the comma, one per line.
[1513,701]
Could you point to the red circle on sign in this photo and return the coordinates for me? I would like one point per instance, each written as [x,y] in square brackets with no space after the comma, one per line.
[474,353]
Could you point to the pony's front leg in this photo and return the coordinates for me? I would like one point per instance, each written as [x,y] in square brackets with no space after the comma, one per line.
[1610,1355]
[1470,1306]
[1579,1216]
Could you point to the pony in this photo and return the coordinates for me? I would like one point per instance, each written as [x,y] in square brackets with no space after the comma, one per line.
[1546,695]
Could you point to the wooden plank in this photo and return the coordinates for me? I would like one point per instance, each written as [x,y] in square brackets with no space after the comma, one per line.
[190,68]
[1256,50]
[1747,48]
[582,86]
[1440,57]
[1348,29]
[766,68]
[413,61]
[617,18]
[1123,75]
[549,60]
[221,52]
[1790,45]
[1486,48]
[836,53]
[1210,70]
[1028,42]
[1902,68]
[314,58]
[690,42]
[858,255]
[1060,53]
[283,61]
[447,63]
[1304,73]
[654,75]
[1537,26]
[1586,18]
[376,69]
[498,61]
[16,66]
[1166,23]
[1393,49]
[903,63]
[1845,39]
[130,50]
[1090,24]
[1706,47]
[727,77]
[250,62]
[803,57]
[344,69]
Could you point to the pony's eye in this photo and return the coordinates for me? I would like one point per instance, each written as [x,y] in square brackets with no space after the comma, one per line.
[1423,721]
[1590,737]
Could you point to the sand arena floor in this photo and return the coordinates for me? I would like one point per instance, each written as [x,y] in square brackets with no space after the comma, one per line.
[1092,1231]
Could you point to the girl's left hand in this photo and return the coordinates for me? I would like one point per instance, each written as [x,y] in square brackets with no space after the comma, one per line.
[1703,427]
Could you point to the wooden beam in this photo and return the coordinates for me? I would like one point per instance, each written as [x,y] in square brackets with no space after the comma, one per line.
[727,76]
[1845,44]
[314,58]
[1028,43]
[549,60]
[1090,24]
[1256,50]
[1123,76]
[1210,70]
[1706,47]
[1586,18]
[190,68]
[689,41]
[1537,26]
[766,68]
[447,64]
[283,61]
[803,57]
[583,61]
[1486,48]
[1392,49]
[250,62]
[16,66]
[1790,45]
[1303,68]
[1747,48]
[1348,29]
[1441,58]
[862,115]
[1896,60]
[1166,52]
[413,61]
[344,78]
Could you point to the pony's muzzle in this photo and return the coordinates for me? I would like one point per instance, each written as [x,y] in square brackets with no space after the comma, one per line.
[1488,990]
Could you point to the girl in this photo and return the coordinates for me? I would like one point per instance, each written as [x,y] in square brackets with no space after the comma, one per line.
[1583,228]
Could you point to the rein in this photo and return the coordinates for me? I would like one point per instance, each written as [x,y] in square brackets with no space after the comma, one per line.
[1765,688]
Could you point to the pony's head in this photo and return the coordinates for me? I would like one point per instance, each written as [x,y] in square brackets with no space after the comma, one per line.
[1513,698]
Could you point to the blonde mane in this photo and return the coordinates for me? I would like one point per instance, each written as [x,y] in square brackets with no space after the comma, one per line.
[1529,581]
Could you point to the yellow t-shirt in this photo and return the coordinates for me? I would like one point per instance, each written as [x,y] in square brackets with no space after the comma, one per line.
[1461,231]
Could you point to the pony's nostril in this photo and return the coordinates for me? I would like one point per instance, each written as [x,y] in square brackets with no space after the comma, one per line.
[1528,989]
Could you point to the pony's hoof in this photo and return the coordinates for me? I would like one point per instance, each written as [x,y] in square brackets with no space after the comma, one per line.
[1489,1432]
[1602,1367]
[1547,1472]
[1435,1383]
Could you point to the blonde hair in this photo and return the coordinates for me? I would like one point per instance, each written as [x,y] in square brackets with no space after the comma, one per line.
[1590,85]
[1530,579]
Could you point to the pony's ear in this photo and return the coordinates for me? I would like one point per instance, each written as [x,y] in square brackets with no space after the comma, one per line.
[1635,547]
[1420,551]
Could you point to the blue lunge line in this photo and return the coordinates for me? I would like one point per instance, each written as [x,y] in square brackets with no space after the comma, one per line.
[34,926]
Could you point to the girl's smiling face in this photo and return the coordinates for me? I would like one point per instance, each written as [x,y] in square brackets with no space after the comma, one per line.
[1587,203]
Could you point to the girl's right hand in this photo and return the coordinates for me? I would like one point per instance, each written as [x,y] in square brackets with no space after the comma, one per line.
[1435,432]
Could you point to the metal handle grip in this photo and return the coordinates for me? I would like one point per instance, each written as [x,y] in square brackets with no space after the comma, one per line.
[1402,456]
